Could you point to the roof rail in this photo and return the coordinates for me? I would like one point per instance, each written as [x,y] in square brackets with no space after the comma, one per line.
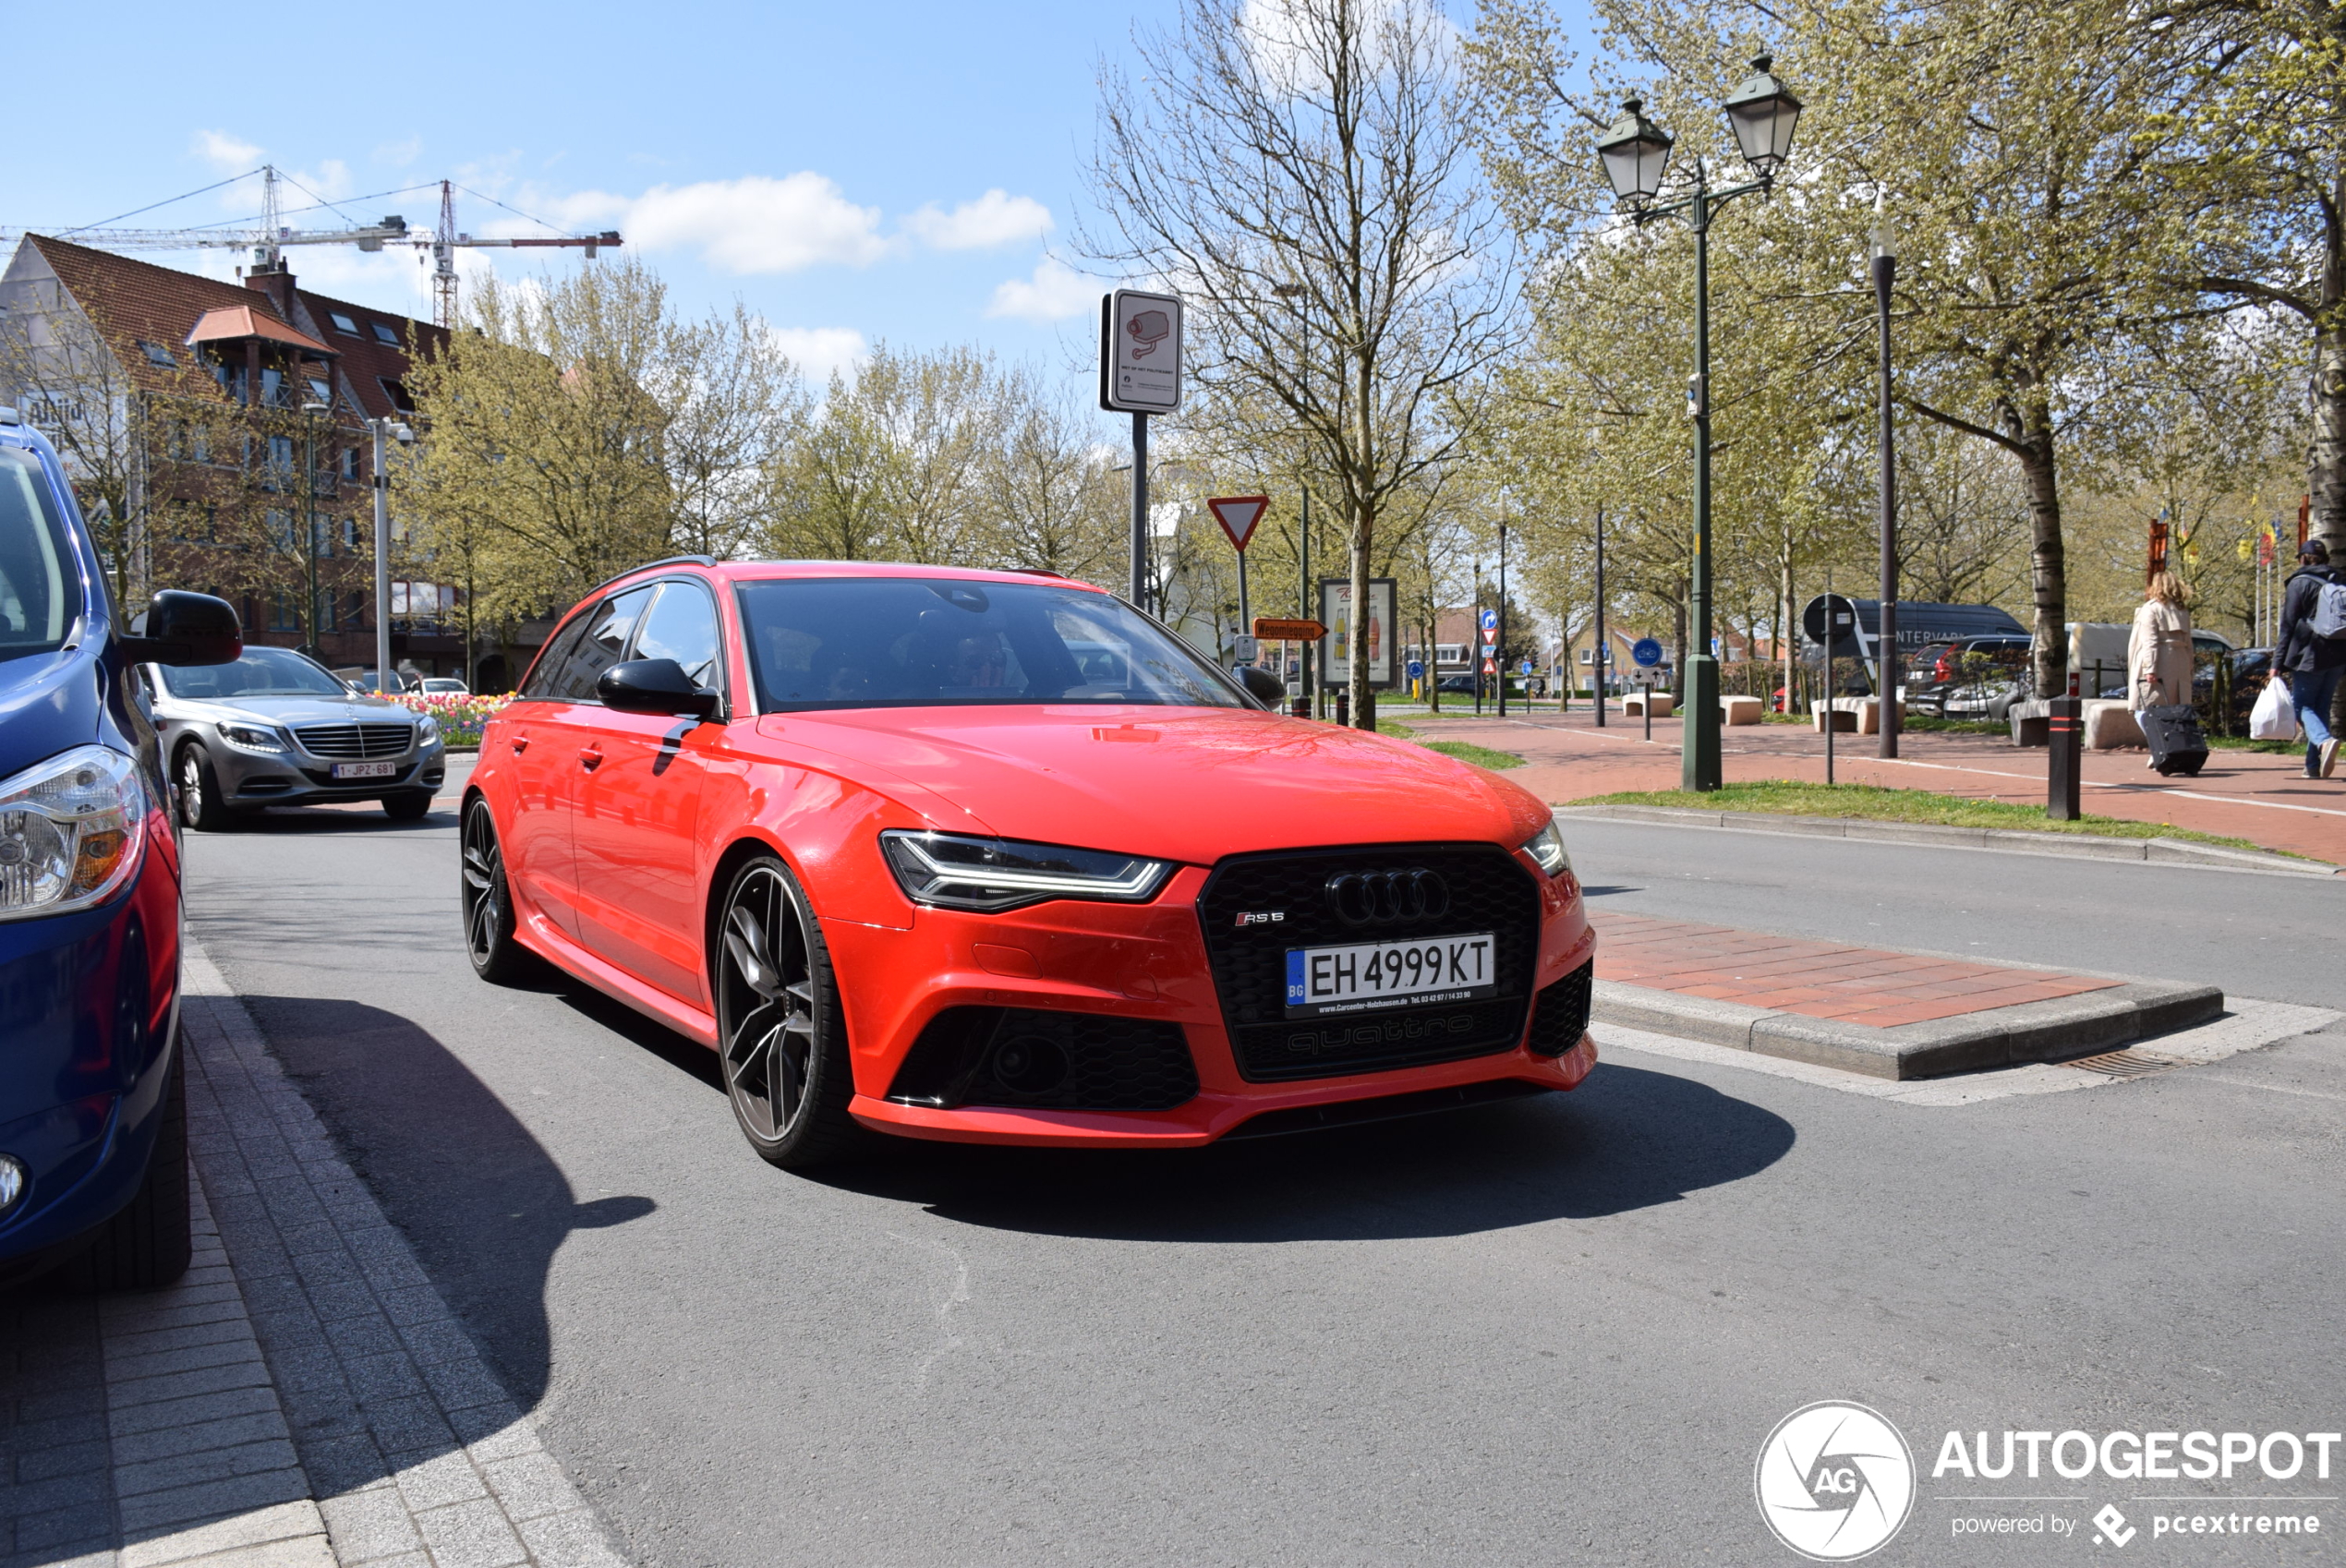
[663,560]
[1040,571]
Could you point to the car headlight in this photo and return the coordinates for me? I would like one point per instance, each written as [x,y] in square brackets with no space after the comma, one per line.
[958,872]
[427,730]
[69,831]
[1547,847]
[251,737]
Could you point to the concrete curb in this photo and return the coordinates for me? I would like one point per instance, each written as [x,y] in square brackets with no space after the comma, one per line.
[2159,851]
[2031,1031]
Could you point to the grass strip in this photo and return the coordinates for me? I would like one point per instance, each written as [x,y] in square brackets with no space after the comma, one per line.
[1481,756]
[1870,802]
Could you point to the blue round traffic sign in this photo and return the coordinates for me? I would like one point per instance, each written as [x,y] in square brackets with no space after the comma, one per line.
[1490,621]
[1417,669]
[1646,651]
[1527,666]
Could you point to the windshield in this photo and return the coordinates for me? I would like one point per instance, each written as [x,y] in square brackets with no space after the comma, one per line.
[40,589]
[261,673]
[909,642]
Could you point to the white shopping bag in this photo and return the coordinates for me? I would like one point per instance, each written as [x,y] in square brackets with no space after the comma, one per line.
[2275,716]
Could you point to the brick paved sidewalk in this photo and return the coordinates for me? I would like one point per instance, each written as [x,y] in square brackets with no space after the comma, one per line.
[303,1398]
[1819,980]
[2258,796]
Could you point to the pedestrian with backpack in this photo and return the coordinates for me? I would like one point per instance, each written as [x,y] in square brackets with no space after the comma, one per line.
[2311,651]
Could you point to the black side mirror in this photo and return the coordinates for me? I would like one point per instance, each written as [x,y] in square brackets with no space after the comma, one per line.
[654,685]
[1262,685]
[183,629]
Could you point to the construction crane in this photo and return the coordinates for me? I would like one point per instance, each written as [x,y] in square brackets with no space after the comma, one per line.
[268,241]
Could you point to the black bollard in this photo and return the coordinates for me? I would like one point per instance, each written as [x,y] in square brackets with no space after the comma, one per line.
[2065,730]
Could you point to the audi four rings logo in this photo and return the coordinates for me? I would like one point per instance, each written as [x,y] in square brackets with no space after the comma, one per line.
[1386,898]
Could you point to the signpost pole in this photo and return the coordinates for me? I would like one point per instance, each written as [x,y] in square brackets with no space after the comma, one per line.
[1598,654]
[382,570]
[1500,647]
[1140,511]
[1833,713]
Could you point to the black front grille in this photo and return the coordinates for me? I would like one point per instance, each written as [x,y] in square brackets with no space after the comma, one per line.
[356,742]
[1488,891]
[1026,1057]
[1562,1016]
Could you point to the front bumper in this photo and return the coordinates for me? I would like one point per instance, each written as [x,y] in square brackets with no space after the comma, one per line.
[297,777]
[1138,962]
[88,1006]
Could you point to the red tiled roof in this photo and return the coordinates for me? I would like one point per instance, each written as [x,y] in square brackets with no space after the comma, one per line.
[236,322]
[367,362]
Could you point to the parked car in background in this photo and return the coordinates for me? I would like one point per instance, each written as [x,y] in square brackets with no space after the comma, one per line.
[442,686]
[277,728]
[1974,678]
[93,1154]
[371,683]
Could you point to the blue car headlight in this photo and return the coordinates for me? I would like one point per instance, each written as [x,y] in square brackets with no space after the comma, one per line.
[962,872]
[69,831]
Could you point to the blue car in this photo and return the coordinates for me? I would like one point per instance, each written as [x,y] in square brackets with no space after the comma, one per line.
[93,1148]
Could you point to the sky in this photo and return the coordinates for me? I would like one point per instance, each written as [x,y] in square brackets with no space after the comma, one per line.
[906,171]
[854,171]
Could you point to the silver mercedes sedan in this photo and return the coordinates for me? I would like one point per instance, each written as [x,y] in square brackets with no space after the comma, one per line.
[276,729]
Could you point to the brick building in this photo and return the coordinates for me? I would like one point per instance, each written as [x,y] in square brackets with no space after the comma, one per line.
[203,418]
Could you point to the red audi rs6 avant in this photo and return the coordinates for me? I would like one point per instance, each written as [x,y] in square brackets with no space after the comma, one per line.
[991,857]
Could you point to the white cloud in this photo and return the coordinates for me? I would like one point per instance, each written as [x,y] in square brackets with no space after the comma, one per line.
[818,350]
[229,154]
[754,225]
[399,154]
[995,218]
[1055,292]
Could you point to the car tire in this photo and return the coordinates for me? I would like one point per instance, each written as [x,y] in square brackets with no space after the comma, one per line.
[200,806]
[486,902]
[408,806]
[148,1245]
[781,1032]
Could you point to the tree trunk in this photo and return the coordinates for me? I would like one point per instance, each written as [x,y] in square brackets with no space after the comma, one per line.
[2047,560]
[2326,460]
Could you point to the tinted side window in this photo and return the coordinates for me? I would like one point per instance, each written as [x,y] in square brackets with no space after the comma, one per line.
[603,645]
[541,679]
[682,625]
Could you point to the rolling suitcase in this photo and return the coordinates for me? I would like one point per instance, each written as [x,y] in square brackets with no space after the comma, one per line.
[2177,743]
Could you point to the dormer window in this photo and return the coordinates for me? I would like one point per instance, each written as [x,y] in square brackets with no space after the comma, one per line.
[157,355]
[397,391]
[385,334]
[343,322]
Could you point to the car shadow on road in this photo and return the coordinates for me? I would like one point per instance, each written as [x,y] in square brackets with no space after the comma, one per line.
[479,1200]
[1627,1139]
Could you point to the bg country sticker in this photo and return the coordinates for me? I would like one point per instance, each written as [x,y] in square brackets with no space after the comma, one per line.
[1836,1481]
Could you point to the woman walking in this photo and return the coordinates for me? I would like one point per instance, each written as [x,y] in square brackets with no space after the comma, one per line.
[2158,649]
[2310,664]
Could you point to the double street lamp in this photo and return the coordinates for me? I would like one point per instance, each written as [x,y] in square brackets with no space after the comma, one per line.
[1635,152]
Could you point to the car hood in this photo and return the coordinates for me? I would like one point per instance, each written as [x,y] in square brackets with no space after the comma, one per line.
[291,710]
[1186,784]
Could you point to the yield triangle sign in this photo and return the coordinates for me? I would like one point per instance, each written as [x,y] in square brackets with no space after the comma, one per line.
[1238,516]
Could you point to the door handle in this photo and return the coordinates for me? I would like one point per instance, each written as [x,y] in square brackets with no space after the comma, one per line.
[521,744]
[590,759]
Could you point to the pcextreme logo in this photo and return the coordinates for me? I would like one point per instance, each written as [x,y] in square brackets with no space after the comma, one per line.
[1835,1481]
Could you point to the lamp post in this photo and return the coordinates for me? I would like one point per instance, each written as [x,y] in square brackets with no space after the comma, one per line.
[309,412]
[1635,151]
[1501,646]
[1887,661]
[397,430]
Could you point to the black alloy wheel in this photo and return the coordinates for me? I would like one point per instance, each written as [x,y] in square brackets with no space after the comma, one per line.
[780,1025]
[200,806]
[487,905]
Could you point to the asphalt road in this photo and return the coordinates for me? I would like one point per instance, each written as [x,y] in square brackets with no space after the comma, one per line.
[1554,1332]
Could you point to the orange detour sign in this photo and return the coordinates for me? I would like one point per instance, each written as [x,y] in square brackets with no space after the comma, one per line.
[1238,516]
[1269,631]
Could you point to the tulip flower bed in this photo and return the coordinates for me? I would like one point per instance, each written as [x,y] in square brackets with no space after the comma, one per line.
[461,717]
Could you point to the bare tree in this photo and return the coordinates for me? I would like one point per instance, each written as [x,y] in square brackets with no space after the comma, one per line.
[1299,170]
